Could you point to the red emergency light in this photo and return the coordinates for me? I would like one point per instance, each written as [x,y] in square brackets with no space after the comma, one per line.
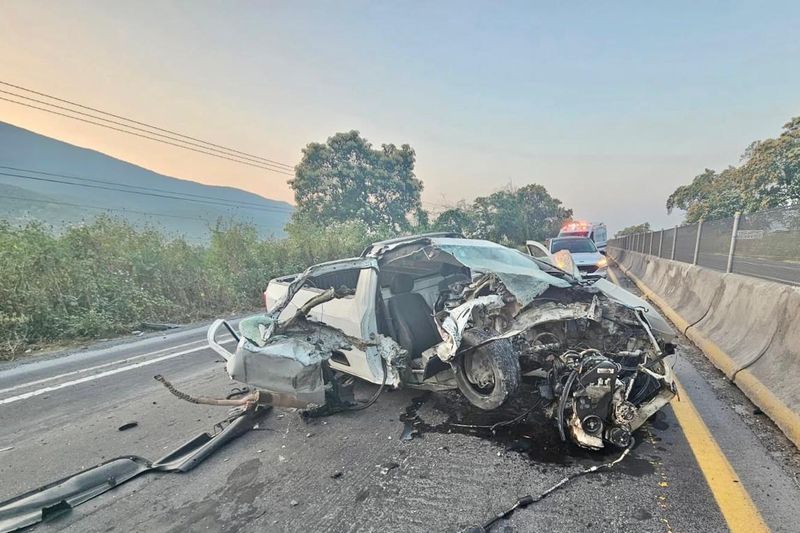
[576,226]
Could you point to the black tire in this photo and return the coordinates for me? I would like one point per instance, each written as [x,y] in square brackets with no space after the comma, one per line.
[497,359]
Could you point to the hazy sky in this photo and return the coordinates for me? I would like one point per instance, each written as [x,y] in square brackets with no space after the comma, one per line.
[610,107]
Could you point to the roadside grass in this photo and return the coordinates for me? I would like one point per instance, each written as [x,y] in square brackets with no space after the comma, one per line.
[107,277]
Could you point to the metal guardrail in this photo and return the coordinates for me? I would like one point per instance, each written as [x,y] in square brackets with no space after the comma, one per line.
[765,244]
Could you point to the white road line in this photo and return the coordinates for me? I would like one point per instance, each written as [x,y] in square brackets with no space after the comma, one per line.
[107,373]
[96,367]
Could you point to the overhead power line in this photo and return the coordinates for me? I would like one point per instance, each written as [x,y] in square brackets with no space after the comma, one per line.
[117,189]
[233,203]
[103,208]
[144,136]
[150,126]
[267,165]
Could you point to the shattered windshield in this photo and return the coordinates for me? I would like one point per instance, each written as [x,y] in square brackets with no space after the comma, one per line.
[520,273]
[490,257]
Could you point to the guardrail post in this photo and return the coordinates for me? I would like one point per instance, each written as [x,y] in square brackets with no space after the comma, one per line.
[733,241]
[697,242]
[674,240]
[660,241]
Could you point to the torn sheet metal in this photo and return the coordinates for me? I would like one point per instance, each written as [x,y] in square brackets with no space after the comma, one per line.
[287,360]
[459,320]
[289,365]
[519,273]
[63,495]
[318,270]
[656,321]
[555,312]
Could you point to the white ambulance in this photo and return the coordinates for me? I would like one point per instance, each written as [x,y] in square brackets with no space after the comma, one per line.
[596,231]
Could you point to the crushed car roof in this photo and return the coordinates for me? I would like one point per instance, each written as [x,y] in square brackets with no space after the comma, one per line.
[377,248]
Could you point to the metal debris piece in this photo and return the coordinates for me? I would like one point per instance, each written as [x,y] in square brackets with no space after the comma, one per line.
[251,398]
[388,467]
[59,497]
[155,326]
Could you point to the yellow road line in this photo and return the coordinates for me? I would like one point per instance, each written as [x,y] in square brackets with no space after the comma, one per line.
[738,509]
[732,498]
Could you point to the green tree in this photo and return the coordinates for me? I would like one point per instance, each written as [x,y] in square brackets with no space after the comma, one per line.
[513,216]
[630,230]
[510,216]
[458,219]
[345,179]
[769,176]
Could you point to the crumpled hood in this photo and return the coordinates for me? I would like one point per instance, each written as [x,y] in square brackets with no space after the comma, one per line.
[525,280]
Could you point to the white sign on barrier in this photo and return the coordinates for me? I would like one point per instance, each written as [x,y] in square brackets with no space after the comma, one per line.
[749,234]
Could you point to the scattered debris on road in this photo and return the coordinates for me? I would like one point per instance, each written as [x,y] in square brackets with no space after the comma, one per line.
[388,467]
[157,326]
[62,496]
[527,500]
[127,426]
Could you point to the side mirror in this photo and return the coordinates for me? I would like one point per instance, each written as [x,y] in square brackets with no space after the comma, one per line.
[602,252]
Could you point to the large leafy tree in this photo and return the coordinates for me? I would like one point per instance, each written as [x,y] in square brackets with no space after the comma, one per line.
[510,216]
[769,176]
[516,215]
[459,219]
[346,179]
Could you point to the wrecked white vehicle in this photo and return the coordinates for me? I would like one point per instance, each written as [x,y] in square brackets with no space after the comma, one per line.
[440,312]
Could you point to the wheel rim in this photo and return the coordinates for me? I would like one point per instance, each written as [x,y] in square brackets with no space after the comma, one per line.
[479,372]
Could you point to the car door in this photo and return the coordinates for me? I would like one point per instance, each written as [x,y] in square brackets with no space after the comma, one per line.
[539,251]
[562,259]
[355,315]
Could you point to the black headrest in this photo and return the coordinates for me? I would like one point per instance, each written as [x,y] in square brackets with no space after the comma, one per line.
[401,283]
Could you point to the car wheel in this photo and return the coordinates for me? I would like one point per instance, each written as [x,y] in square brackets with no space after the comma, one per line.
[488,375]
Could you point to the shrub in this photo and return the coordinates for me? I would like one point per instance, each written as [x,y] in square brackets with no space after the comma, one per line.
[107,277]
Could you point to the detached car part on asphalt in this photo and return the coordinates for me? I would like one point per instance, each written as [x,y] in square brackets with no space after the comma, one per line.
[442,312]
[60,497]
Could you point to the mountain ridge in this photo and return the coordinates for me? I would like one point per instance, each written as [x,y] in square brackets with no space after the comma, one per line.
[24,149]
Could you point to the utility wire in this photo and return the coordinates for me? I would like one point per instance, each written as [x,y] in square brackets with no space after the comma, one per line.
[116,189]
[233,203]
[288,167]
[102,208]
[144,136]
[137,129]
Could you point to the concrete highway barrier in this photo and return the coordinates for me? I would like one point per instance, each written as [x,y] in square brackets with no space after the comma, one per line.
[746,326]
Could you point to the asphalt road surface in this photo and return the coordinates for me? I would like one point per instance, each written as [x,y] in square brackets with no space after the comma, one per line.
[353,472]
